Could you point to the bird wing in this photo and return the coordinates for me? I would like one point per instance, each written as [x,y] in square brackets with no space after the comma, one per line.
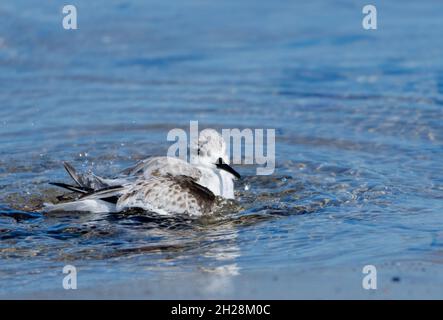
[162,166]
[168,195]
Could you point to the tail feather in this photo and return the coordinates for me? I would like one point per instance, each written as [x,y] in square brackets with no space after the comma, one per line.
[81,190]
[94,193]
[103,193]
[110,193]
[73,174]
[89,181]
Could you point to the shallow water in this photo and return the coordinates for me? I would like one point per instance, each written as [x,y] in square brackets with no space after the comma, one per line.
[358,116]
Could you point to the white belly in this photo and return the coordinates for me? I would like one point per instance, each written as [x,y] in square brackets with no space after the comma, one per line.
[219,182]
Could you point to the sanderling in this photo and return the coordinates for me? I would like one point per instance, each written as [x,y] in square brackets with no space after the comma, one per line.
[164,185]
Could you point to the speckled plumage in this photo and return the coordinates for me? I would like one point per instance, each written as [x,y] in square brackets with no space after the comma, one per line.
[160,184]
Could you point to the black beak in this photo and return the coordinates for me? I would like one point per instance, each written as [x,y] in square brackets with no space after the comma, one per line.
[223,166]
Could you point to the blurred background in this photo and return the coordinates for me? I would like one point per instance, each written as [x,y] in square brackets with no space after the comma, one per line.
[358,118]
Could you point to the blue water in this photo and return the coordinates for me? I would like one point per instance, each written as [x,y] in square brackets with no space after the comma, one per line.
[359,145]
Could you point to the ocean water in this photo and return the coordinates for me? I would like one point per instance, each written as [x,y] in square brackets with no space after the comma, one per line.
[358,116]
